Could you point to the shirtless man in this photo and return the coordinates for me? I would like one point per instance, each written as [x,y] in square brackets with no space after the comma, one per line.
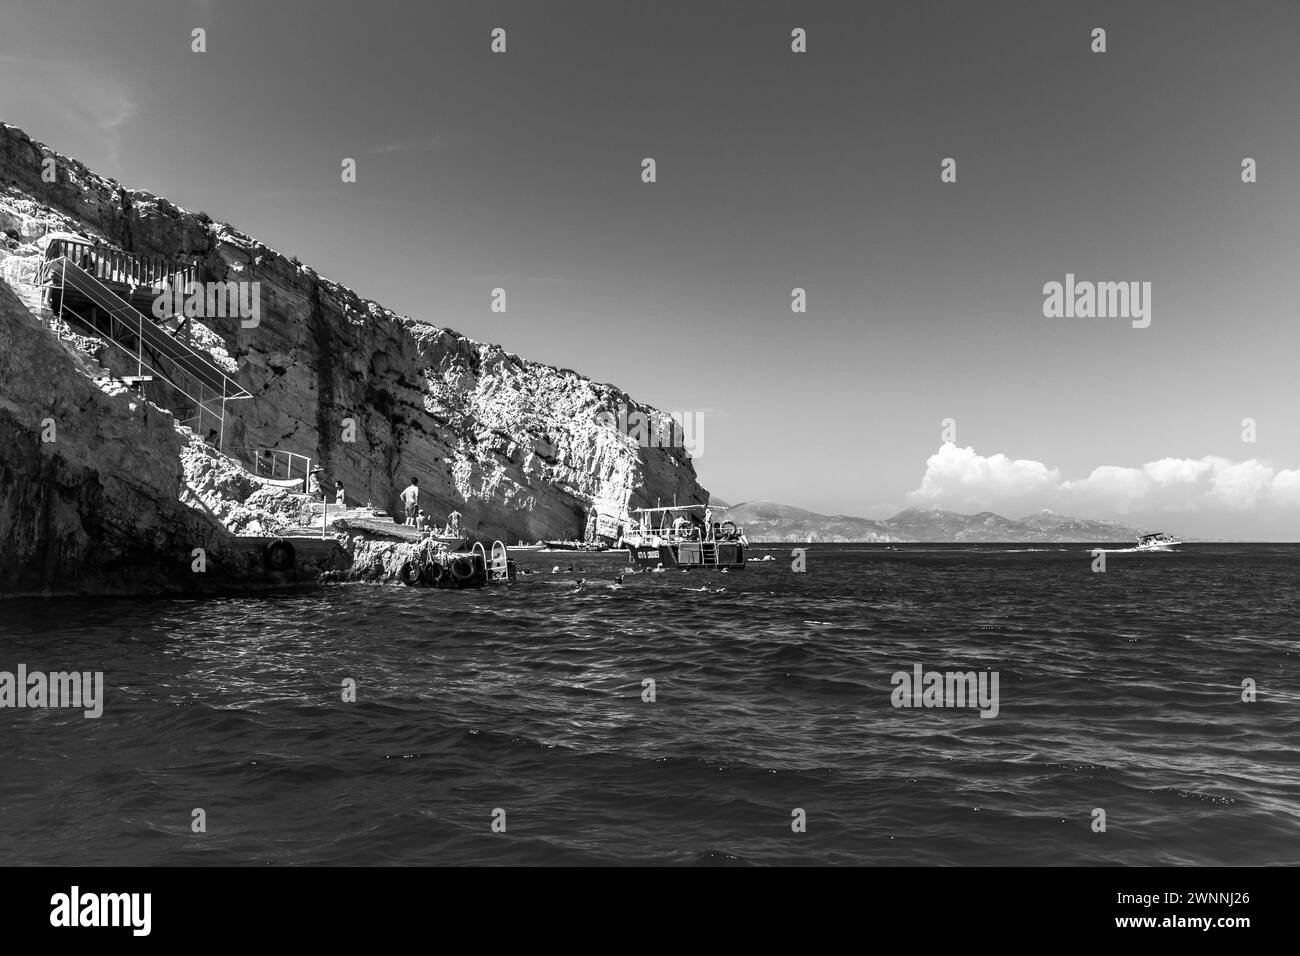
[411,499]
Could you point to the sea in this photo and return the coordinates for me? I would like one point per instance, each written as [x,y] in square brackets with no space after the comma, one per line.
[1146,714]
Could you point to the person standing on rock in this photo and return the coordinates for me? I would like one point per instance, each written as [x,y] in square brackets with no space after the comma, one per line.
[339,498]
[411,498]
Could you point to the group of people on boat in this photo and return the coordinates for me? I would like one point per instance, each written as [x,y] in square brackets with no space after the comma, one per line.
[688,527]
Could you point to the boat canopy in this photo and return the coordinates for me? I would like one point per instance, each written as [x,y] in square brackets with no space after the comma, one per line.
[679,508]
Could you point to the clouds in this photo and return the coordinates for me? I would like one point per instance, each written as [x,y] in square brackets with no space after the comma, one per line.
[954,475]
[1187,484]
[1244,485]
[962,479]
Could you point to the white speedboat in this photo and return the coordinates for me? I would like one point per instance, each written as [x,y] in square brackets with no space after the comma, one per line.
[1159,541]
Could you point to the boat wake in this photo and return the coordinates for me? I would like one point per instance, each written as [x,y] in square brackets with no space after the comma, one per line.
[1132,550]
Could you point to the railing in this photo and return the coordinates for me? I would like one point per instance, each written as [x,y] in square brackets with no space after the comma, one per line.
[499,565]
[119,268]
[690,532]
[275,463]
[126,322]
[132,322]
[143,366]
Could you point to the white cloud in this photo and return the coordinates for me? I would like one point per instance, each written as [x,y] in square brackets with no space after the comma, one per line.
[1172,471]
[1241,485]
[959,475]
[1286,486]
[961,479]
[1122,488]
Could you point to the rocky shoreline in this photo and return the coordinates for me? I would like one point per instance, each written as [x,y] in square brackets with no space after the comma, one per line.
[123,495]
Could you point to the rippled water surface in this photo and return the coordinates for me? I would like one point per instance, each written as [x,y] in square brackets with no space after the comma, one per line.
[1119,691]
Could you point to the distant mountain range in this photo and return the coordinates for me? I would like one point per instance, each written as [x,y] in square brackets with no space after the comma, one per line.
[768,521]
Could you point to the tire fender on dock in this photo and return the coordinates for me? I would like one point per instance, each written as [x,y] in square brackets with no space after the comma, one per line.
[433,573]
[462,570]
[410,574]
[279,555]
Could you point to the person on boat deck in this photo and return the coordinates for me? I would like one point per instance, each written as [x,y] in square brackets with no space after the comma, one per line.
[708,524]
[411,498]
[313,484]
[453,523]
[422,522]
[339,497]
[679,526]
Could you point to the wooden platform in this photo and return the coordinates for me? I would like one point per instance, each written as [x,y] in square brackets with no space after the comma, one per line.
[386,528]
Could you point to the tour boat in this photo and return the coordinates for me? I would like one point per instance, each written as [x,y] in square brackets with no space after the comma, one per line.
[683,540]
[1159,541]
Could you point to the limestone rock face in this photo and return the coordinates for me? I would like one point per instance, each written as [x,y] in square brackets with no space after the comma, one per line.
[378,560]
[96,508]
[243,503]
[373,397]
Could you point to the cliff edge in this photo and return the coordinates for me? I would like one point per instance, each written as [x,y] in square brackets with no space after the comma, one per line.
[370,396]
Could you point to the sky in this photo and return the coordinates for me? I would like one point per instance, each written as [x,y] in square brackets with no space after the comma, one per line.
[775,170]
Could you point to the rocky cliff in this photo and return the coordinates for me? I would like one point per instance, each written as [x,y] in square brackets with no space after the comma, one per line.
[371,396]
[90,482]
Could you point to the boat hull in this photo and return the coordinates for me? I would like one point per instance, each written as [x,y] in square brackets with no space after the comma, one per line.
[688,556]
[573,546]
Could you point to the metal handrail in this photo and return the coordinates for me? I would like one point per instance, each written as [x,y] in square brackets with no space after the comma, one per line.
[274,454]
[124,268]
[139,358]
[79,279]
